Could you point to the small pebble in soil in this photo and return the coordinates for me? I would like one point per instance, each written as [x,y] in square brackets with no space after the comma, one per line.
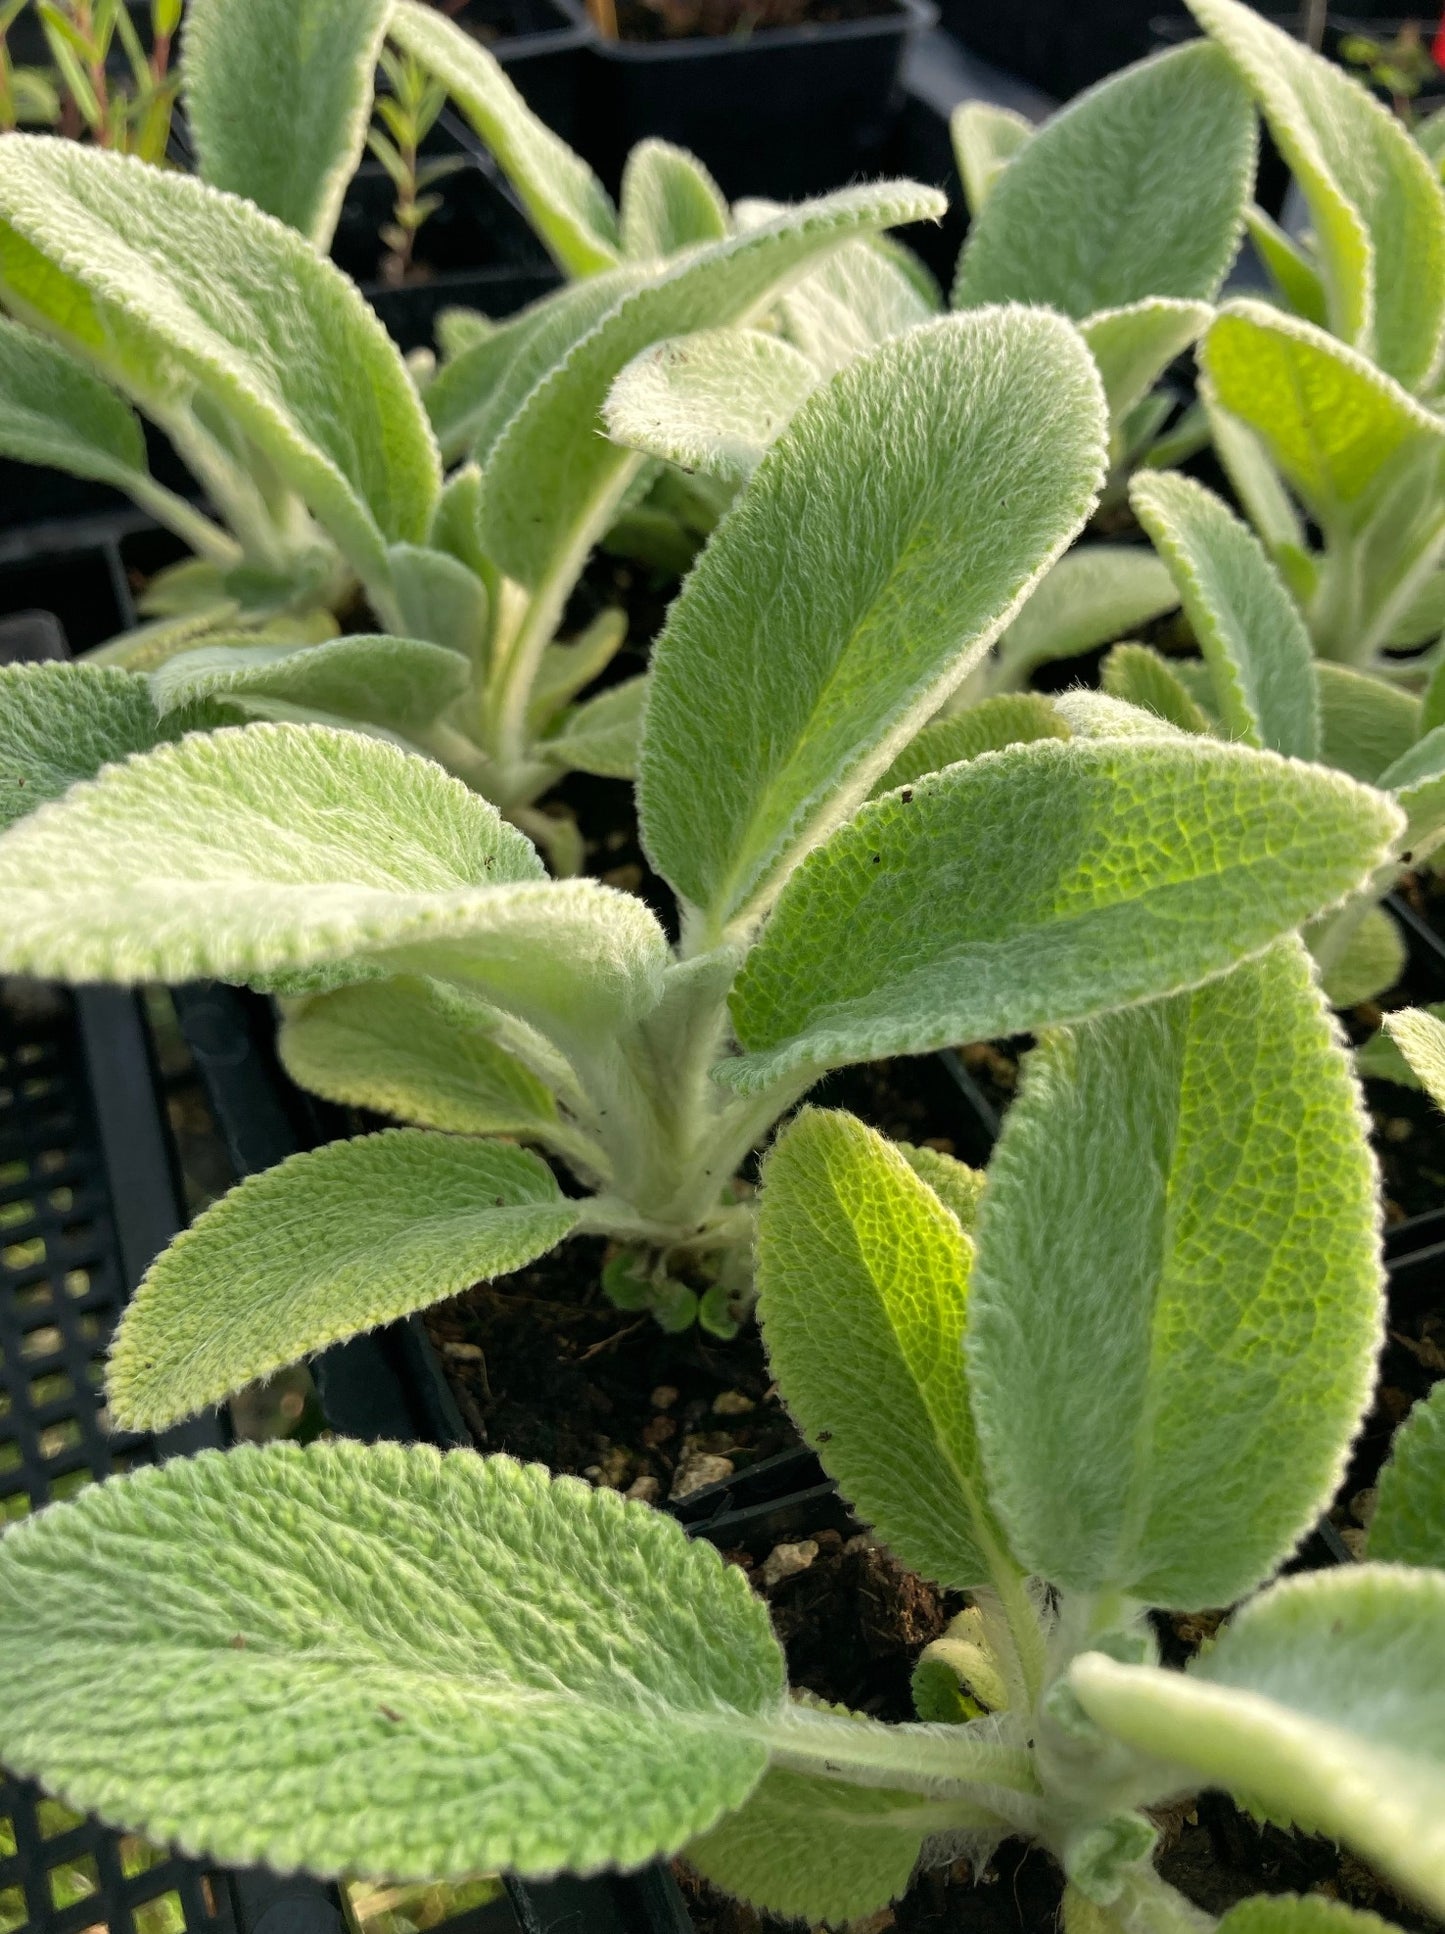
[664,1396]
[732,1403]
[645,1488]
[697,1469]
[463,1352]
[783,1561]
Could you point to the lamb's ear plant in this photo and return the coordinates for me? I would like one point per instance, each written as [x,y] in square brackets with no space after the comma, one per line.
[435,974]
[1122,1373]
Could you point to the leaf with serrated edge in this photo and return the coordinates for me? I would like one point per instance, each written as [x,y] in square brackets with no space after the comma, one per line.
[1331,421]
[334,1241]
[159,280]
[401,682]
[1300,1914]
[1141,676]
[552,482]
[847,1228]
[516,1671]
[1376,206]
[1152,865]
[61,723]
[1366,725]
[603,735]
[669,202]
[1165,1398]
[1408,1527]
[568,205]
[1324,1700]
[1133,346]
[1098,592]
[278,94]
[247,853]
[1137,189]
[712,401]
[813,657]
[1245,621]
[53,411]
[1420,1037]
[418,1050]
[1013,718]
[985,138]
[802,1846]
[858,298]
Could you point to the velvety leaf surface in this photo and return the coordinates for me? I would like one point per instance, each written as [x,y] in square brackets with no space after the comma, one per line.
[669,202]
[1366,724]
[1417,779]
[516,1672]
[1044,884]
[1408,1527]
[1324,1700]
[985,140]
[1376,205]
[1420,1037]
[1292,268]
[1247,625]
[1332,422]
[1013,718]
[278,95]
[1370,959]
[334,1241]
[552,477]
[604,735]
[1136,189]
[861,296]
[401,682]
[958,1187]
[1093,594]
[54,412]
[60,723]
[712,401]
[1133,346]
[158,279]
[1300,1914]
[568,205]
[247,852]
[799,657]
[863,1293]
[418,1050]
[1176,1301]
[1141,676]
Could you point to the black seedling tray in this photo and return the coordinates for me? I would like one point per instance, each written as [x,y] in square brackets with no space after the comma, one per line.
[541,46]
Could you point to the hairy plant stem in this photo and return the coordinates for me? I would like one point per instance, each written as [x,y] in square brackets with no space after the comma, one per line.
[970,1763]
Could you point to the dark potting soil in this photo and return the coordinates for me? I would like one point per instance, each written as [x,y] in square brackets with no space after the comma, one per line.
[718,19]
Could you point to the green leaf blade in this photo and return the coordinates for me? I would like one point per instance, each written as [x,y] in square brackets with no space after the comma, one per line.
[713,401]
[1165,1396]
[1137,189]
[1408,1527]
[401,1594]
[62,723]
[1420,1037]
[1154,864]
[334,1241]
[53,411]
[813,679]
[669,202]
[401,682]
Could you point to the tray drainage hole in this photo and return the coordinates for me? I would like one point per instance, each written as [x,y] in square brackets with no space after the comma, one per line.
[38,1086]
[50,1161]
[62,1200]
[12,1509]
[77,1282]
[51,1388]
[165,1914]
[72,1484]
[23,1255]
[53,1816]
[43,1342]
[14,1213]
[74,1881]
[10,1457]
[12,1172]
[33,1298]
[12,1904]
[56,1439]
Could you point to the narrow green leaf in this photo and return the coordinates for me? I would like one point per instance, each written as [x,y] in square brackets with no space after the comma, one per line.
[278,93]
[54,412]
[604,735]
[253,852]
[1136,189]
[669,202]
[1366,724]
[847,1228]
[1417,779]
[713,401]
[516,1671]
[1420,1037]
[61,723]
[1408,1527]
[1153,865]
[803,1846]
[1300,1914]
[1380,1060]
[1375,202]
[439,599]
[1095,593]
[568,205]
[813,679]
[334,1241]
[1247,625]
[1292,268]
[1336,426]
[1324,1700]
[1134,346]
[1013,718]
[1255,481]
[552,482]
[399,682]
[1165,1394]
[861,296]
[986,138]
[162,282]
[1141,676]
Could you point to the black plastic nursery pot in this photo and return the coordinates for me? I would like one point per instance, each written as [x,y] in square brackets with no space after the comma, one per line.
[541,46]
[783,112]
